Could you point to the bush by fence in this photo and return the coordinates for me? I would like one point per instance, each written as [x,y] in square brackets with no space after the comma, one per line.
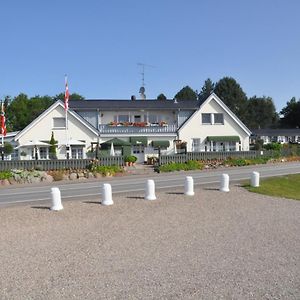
[222,155]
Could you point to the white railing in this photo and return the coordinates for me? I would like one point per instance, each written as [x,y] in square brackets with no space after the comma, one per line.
[107,129]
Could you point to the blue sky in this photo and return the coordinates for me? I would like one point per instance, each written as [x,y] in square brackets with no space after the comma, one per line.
[99,43]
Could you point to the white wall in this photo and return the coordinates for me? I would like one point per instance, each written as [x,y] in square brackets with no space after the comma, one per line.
[43,128]
[194,128]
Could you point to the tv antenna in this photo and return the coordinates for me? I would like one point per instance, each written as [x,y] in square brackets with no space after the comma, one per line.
[142,88]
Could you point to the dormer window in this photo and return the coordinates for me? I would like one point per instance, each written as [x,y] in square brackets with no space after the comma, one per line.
[206,118]
[219,119]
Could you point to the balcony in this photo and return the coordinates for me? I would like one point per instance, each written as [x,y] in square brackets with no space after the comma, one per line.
[151,129]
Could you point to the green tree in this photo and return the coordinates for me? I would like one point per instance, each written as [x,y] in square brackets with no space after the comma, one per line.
[291,114]
[207,89]
[17,113]
[72,97]
[260,113]
[232,95]
[22,110]
[161,97]
[52,148]
[8,148]
[186,93]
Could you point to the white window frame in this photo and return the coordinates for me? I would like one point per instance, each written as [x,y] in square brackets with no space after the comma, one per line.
[219,123]
[59,127]
[206,115]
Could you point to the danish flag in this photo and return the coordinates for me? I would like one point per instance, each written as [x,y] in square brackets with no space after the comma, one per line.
[67,95]
[3,125]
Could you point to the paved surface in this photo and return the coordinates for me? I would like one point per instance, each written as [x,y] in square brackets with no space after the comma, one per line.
[84,189]
[235,245]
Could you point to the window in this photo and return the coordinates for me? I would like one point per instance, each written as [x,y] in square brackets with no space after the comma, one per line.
[196,145]
[136,149]
[59,123]
[232,146]
[206,118]
[219,118]
[77,152]
[43,153]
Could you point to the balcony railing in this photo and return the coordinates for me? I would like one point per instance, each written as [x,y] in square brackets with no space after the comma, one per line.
[108,129]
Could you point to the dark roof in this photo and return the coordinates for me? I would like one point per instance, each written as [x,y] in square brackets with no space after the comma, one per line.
[276,132]
[133,104]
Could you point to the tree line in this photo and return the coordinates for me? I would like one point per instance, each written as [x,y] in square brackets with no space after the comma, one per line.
[255,112]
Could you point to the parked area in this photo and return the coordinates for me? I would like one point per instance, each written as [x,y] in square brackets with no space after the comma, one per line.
[236,245]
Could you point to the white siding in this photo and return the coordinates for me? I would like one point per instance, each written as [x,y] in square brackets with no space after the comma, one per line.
[195,129]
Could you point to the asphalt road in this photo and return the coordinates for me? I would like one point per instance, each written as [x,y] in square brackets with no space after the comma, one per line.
[136,183]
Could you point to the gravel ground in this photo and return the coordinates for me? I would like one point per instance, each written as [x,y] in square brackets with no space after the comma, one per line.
[235,245]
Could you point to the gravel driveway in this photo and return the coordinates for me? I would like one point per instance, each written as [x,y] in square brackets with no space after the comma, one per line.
[235,245]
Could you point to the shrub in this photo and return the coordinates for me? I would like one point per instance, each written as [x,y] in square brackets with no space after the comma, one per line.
[5,175]
[238,162]
[57,175]
[273,146]
[8,148]
[130,158]
[105,170]
[190,165]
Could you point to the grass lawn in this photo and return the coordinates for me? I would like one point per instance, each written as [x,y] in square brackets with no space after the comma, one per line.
[284,186]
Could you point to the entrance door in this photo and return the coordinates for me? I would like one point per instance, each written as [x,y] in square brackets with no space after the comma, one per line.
[139,152]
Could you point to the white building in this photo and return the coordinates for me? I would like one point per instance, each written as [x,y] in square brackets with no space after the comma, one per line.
[138,127]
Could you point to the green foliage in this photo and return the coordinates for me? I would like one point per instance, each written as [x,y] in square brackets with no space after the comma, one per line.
[190,165]
[258,144]
[161,97]
[72,97]
[273,146]
[261,113]
[186,93]
[105,170]
[232,95]
[21,110]
[5,175]
[207,89]
[285,186]
[291,114]
[8,148]
[130,158]
[239,162]
[52,148]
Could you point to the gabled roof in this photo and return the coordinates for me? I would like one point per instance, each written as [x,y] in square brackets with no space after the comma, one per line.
[47,111]
[134,104]
[213,96]
[228,110]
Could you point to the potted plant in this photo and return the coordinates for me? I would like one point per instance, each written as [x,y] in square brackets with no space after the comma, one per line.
[130,160]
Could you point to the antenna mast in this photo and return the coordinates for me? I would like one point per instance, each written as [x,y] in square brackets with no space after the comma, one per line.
[142,88]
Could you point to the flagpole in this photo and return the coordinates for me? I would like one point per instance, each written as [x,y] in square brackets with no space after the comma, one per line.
[66,116]
[2,132]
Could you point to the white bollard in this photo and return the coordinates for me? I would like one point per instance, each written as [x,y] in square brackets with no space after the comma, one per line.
[106,194]
[255,179]
[224,183]
[150,190]
[189,186]
[56,199]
